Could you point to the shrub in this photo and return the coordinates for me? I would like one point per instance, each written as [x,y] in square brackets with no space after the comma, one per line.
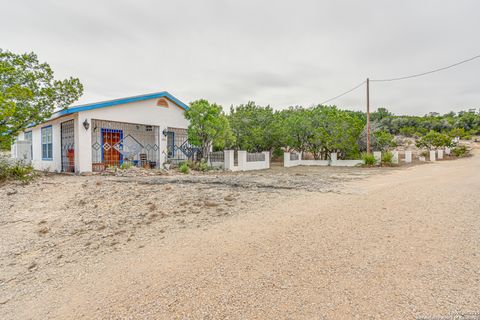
[203,166]
[383,140]
[369,159]
[184,168]
[126,165]
[387,159]
[434,140]
[457,132]
[15,171]
[408,131]
[460,151]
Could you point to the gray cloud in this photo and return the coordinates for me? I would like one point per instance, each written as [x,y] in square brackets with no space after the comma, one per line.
[273,52]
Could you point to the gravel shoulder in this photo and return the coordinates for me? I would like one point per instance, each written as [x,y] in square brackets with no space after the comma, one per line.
[310,243]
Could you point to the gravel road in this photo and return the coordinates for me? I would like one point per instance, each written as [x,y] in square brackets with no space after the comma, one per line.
[400,245]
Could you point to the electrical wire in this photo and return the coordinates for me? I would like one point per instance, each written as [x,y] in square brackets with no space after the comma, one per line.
[342,94]
[428,72]
[402,78]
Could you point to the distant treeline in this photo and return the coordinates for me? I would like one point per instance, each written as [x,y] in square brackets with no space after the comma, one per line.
[321,130]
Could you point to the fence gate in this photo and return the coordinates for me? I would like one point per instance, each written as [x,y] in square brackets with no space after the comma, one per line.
[68,146]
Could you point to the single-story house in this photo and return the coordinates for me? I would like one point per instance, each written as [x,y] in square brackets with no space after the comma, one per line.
[145,130]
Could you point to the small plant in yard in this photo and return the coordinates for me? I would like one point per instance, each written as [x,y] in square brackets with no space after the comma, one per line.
[15,171]
[387,159]
[184,168]
[369,159]
[125,165]
[203,166]
[460,151]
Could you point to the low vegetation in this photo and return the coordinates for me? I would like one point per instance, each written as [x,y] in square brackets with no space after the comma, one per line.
[15,171]
[460,151]
[387,159]
[184,168]
[369,159]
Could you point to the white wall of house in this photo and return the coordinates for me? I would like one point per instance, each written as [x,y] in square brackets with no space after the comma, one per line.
[37,161]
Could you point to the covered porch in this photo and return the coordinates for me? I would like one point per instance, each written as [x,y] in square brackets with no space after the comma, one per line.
[117,144]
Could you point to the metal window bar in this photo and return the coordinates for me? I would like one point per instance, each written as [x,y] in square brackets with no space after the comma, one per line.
[294,156]
[253,157]
[178,147]
[115,143]
[217,156]
[67,137]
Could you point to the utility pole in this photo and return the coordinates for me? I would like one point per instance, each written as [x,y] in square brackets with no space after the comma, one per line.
[368,115]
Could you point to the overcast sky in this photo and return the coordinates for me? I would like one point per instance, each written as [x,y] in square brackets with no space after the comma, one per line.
[280,53]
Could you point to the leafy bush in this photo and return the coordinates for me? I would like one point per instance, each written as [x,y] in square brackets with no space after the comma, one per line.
[369,159]
[203,166]
[387,159]
[457,132]
[184,168]
[434,140]
[126,165]
[382,140]
[460,151]
[408,131]
[15,171]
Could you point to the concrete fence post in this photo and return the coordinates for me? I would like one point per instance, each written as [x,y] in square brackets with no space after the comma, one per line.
[286,159]
[408,156]
[333,156]
[395,157]
[228,159]
[378,156]
[242,160]
[432,155]
[447,151]
[440,154]
[267,159]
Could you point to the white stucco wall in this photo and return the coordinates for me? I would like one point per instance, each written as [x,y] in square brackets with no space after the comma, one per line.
[334,162]
[37,162]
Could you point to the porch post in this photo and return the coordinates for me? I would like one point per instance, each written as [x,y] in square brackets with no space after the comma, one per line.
[83,144]
[162,146]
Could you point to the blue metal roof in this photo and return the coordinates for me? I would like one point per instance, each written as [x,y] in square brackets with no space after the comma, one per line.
[110,103]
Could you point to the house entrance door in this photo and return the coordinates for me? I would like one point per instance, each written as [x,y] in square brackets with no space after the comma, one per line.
[111,143]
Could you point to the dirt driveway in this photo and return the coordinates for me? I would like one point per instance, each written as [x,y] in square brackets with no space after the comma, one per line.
[310,243]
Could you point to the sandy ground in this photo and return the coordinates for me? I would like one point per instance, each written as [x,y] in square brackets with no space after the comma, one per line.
[298,243]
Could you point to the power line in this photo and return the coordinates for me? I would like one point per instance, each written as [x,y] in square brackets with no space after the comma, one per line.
[342,94]
[428,72]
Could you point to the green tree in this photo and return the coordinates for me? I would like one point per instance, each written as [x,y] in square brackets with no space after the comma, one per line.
[380,114]
[208,126]
[383,141]
[434,140]
[298,128]
[457,132]
[322,130]
[29,94]
[255,128]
